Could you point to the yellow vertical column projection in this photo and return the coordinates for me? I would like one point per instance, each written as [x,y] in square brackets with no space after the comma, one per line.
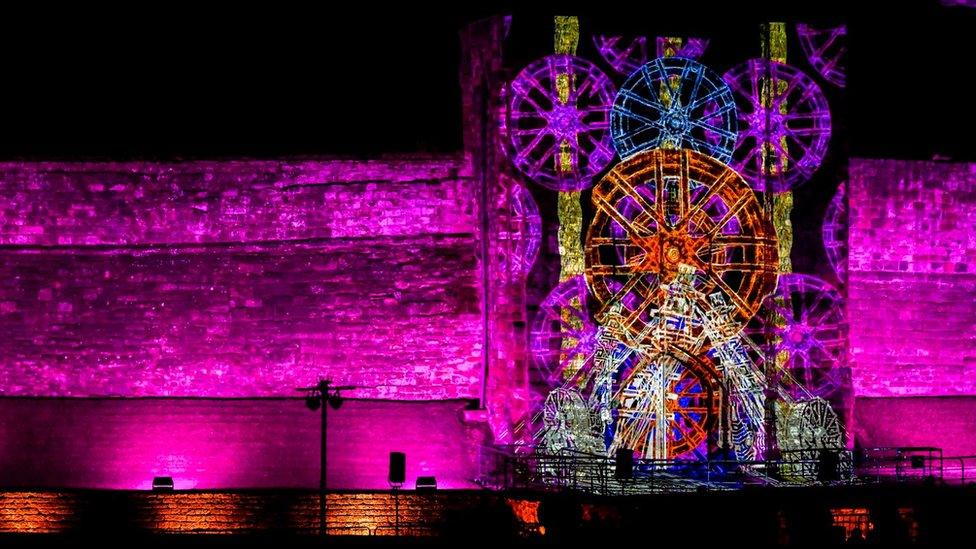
[569,208]
[671,45]
[774,48]
[773,43]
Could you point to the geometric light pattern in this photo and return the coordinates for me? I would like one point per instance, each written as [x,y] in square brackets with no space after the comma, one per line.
[526,236]
[784,123]
[826,50]
[672,102]
[664,208]
[558,122]
[563,337]
[667,405]
[623,57]
[690,48]
[802,323]
[834,233]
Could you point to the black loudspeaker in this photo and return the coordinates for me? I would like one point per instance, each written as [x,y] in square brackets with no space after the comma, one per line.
[828,466]
[623,464]
[426,484]
[398,467]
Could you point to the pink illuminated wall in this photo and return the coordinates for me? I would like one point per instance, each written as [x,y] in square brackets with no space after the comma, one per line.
[219,443]
[240,278]
[912,288]
[912,303]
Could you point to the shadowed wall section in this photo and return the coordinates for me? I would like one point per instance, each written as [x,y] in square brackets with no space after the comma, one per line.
[208,443]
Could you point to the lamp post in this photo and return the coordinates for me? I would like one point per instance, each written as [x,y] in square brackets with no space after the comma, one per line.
[323,396]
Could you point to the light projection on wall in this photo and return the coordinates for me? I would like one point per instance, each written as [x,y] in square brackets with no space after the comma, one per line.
[688,338]
[563,335]
[834,231]
[672,46]
[521,243]
[624,56]
[560,142]
[673,102]
[826,50]
[664,208]
[806,326]
[783,135]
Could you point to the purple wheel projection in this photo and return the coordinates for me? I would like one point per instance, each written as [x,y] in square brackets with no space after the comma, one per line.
[826,50]
[692,48]
[521,244]
[835,233]
[785,126]
[674,103]
[563,337]
[804,320]
[558,122]
[622,57]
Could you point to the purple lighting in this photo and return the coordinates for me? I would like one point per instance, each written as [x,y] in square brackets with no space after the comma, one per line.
[784,124]
[563,336]
[559,122]
[623,57]
[826,50]
[521,245]
[808,331]
[692,48]
[239,279]
[834,233]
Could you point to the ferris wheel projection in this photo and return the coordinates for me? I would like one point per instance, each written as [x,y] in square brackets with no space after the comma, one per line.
[559,122]
[667,405]
[805,331]
[807,429]
[784,123]
[690,48]
[665,208]
[674,103]
[623,57]
[826,50]
[521,240]
[834,233]
[568,424]
[563,337]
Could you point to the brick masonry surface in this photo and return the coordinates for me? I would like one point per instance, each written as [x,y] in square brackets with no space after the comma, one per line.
[912,288]
[240,278]
[239,443]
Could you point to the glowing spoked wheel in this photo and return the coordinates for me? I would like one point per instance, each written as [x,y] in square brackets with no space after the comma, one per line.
[520,242]
[834,232]
[563,337]
[567,423]
[804,328]
[558,122]
[622,56]
[674,103]
[818,426]
[661,209]
[667,405]
[690,48]
[784,124]
[804,429]
[826,50]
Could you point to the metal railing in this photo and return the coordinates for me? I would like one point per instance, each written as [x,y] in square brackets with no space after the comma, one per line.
[521,468]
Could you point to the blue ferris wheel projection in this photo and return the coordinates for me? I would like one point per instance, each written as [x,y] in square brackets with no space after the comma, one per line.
[674,103]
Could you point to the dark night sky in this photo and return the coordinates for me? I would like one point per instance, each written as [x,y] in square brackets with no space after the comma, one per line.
[185,84]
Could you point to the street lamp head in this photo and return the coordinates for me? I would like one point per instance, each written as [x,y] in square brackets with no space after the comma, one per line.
[335,401]
[312,402]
